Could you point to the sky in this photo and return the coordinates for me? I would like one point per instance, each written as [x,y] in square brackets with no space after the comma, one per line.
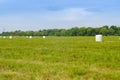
[48,14]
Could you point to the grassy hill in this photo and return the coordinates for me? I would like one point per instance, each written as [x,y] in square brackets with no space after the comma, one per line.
[59,58]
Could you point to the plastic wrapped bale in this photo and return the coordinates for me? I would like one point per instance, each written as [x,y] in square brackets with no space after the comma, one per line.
[98,38]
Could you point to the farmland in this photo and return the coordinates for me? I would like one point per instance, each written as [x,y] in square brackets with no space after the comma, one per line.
[60,58]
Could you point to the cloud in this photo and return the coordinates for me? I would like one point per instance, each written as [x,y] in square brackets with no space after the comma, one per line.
[45,19]
[65,18]
[69,14]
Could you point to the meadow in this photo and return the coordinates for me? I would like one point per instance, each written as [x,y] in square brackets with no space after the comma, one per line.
[60,58]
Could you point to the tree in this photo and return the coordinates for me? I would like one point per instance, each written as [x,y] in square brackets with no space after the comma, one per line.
[104,30]
[90,31]
[113,30]
[30,33]
[63,32]
[118,31]
[74,31]
[82,31]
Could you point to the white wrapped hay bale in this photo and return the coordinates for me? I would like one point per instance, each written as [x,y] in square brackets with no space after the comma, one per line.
[30,37]
[10,37]
[44,37]
[4,37]
[98,38]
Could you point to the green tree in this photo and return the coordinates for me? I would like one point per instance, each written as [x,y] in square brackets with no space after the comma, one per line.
[74,31]
[104,30]
[82,31]
[30,33]
[90,31]
[63,32]
[113,30]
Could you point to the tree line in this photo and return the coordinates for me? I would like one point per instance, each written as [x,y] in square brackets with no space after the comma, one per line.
[75,31]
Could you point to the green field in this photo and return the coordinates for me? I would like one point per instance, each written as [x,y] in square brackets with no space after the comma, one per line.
[60,58]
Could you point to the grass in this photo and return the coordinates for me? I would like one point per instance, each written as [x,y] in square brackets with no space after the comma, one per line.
[60,58]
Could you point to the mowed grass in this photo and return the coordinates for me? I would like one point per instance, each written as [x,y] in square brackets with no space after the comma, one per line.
[60,58]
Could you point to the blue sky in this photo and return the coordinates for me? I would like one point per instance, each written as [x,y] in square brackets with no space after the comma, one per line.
[47,14]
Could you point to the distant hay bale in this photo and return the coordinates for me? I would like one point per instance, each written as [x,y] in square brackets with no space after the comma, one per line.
[44,37]
[30,37]
[4,37]
[98,38]
[10,37]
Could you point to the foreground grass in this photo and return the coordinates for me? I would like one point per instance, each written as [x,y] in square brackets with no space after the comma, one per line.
[60,58]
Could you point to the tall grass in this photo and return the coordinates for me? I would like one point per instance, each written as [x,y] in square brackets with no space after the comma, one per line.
[60,58]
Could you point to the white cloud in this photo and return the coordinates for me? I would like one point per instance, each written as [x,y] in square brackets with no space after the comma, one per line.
[42,20]
[69,14]
[65,18]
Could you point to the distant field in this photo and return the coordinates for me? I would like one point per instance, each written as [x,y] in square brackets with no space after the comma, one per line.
[59,58]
